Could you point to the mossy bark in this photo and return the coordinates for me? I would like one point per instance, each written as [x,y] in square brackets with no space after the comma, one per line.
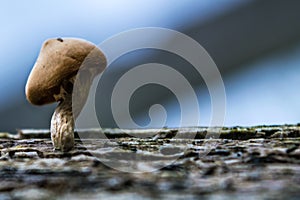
[257,162]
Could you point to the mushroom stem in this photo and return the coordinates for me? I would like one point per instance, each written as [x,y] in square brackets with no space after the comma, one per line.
[63,119]
[62,125]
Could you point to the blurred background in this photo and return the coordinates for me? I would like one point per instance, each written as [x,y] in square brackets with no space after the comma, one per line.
[255,44]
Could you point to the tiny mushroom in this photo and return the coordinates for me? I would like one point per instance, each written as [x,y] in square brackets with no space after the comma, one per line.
[52,79]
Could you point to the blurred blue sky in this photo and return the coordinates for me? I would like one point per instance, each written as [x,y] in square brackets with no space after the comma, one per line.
[267,91]
[26,24]
[261,92]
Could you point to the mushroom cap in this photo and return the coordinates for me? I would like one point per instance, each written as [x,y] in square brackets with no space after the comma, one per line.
[59,60]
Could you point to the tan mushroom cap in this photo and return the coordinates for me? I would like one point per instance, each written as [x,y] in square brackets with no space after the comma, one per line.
[59,60]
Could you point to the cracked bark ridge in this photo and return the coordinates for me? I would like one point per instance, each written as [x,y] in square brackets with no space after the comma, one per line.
[258,162]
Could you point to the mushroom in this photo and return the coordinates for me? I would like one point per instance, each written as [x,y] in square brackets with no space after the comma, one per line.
[52,79]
